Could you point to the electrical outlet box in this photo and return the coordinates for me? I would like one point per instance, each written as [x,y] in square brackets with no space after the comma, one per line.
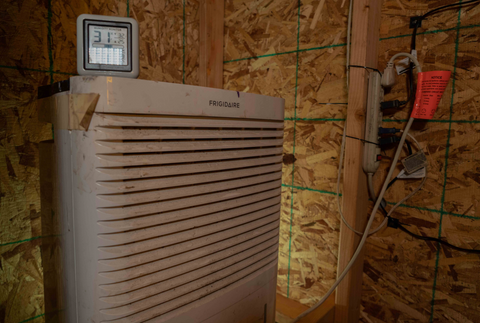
[371,153]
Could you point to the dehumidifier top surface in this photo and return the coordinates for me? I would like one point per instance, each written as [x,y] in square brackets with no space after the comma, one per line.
[124,95]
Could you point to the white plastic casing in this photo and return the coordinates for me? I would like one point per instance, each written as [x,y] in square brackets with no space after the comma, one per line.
[169,203]
[388,79]
[372,122]
[82,64]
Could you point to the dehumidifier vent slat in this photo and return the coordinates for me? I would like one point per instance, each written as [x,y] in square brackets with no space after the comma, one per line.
[158,305]
[121,173]
[143,233]
[110,147]
[111,213]
[115,282]
[114,200]
[134,185]
[174,307]
[249,202]
[236,225]
[105,134]
[106,119]
[186,207]
[137,265]
[137,289]
[119,160]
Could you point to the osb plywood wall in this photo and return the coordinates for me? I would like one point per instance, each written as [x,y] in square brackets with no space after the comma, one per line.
[38,47]
[295,50]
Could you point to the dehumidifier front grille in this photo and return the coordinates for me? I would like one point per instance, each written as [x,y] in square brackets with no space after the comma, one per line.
[186,207]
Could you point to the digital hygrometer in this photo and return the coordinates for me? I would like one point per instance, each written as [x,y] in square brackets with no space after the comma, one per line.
[107,46]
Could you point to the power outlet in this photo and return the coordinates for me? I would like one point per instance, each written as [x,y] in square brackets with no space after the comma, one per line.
[371,153]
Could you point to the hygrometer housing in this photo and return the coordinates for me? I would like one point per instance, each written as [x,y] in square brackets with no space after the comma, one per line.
[107,46]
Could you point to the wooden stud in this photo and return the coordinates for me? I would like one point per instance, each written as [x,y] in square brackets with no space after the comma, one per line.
[364,52]
[211,43]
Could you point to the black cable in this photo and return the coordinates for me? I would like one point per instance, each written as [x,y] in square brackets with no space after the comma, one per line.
[458,4]
[410,85]
[392,182]
[418,22]
[445,243]
[368,68]
[393,222]
[385,213]
[409,147]
[363,140]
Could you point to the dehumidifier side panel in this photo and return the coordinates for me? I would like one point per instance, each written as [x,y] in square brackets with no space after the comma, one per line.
[54,280]
[85,224]
[57,212]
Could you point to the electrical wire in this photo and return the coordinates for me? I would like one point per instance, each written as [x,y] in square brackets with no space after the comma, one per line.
[409,147]
[458,4]
[412,193]
[385,184]
[375,207]
[344,136]
[419,147]
[373,197]
[416,236]
[389,214]
[371,189]
[400,225]
[412,58]
[419,20]
[369,223]
[370,181]
[349,28]
[414,140]
[413,46]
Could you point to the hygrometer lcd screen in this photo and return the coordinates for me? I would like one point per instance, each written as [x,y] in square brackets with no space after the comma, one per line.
[107,45]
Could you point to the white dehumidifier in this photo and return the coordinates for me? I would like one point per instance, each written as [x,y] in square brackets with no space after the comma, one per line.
[164,199]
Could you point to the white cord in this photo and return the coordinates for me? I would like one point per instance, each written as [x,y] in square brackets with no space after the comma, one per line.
[371,190]
[370,221]
[415,140]
[369,224]
[339,174]
[419,186]
[413,58]
[349,27]
[342,148]
[409,195]
[370,180]
[385,221]
[382,192]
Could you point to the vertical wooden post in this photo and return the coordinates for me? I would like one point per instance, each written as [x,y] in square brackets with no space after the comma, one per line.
[364,52]
[211,43]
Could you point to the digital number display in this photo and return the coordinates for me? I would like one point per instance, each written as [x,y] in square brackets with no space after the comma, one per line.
[107,45]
